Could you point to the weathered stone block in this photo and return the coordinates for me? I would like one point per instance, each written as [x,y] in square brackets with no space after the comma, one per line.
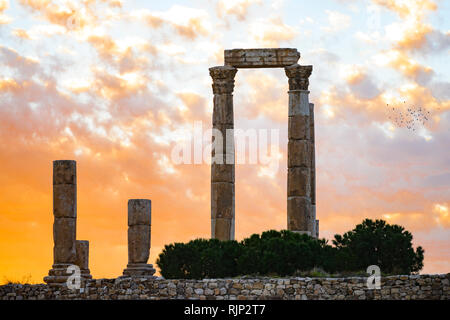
[261,58]
[222,200]
[64,172]
[223,229]
[299,127]
[142,270]
[299,182]
[223,109]
[139,243]
[223,79]
[64,234]
[298,76]
[65,200]
[222,173]
[82,249]
[298,103]
[299,154]
[139,212]
[223,148]
[299,213]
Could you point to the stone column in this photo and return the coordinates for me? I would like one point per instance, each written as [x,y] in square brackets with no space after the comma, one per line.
[139,235]
[222,161]
[65,220]
[82,259]
[315,222]
[299,208]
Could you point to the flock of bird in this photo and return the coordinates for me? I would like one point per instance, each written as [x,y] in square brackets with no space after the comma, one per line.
[412,118]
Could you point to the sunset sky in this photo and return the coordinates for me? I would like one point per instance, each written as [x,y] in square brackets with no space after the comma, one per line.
[114,84]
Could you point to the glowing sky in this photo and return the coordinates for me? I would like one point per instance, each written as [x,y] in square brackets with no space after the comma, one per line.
[110,83]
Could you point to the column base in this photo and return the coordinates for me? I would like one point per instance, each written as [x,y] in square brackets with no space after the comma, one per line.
[141,270]
[86,274]
[58,276]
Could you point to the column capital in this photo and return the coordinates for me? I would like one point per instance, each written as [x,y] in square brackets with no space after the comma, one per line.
[223,79]
[298,76]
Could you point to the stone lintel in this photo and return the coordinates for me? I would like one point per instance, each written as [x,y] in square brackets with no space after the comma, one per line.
[261,58]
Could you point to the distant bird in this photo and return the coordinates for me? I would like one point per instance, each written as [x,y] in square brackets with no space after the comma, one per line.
[412,118]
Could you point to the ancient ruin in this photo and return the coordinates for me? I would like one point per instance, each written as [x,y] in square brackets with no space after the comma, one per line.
[139,237]
[301,195]
[65,247]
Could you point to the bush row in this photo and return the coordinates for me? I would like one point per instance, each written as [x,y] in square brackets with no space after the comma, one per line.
[285,253]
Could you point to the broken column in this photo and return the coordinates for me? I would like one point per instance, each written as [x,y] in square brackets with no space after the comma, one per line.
[300,217]
[222,161]
[139,235]
[65,220]
[82,259]
[315,223]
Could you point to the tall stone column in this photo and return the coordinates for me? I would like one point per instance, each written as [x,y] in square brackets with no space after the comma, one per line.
[300,217]
[139,237]
[65,220]
[222,162]
[315,222]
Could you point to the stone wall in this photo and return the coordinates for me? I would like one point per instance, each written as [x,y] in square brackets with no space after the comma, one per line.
[393,287]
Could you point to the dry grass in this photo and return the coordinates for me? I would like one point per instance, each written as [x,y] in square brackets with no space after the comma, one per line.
[26,279]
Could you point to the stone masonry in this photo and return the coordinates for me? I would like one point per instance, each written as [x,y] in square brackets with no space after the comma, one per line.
[222,157]
[64,226]
[139,235]
[301,186]
[414,287]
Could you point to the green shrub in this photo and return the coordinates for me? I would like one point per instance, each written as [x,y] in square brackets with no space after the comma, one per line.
[199,259]
[284,253]
[378,243]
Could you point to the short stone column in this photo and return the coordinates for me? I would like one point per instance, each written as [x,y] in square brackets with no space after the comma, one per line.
[139,235]
[65,220]
[82,259]
[315,222]
[223,158]
[300,216]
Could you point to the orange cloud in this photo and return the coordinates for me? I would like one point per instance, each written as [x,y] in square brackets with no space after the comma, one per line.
[238,8]
[271,32]
[21,33]
[408,7]
[186,22]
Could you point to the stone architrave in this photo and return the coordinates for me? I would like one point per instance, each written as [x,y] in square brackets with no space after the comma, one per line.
[261,58]
[139,235]
[65,221]
[222,156]
[300,216]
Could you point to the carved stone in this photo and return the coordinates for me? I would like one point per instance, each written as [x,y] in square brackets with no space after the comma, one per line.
[301,184]
[82,258]
[139,239]
[301,215]
[222,153]
[298,76]
[65,223]
[139,212]
[261,58]
[65,200]
[222,200]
